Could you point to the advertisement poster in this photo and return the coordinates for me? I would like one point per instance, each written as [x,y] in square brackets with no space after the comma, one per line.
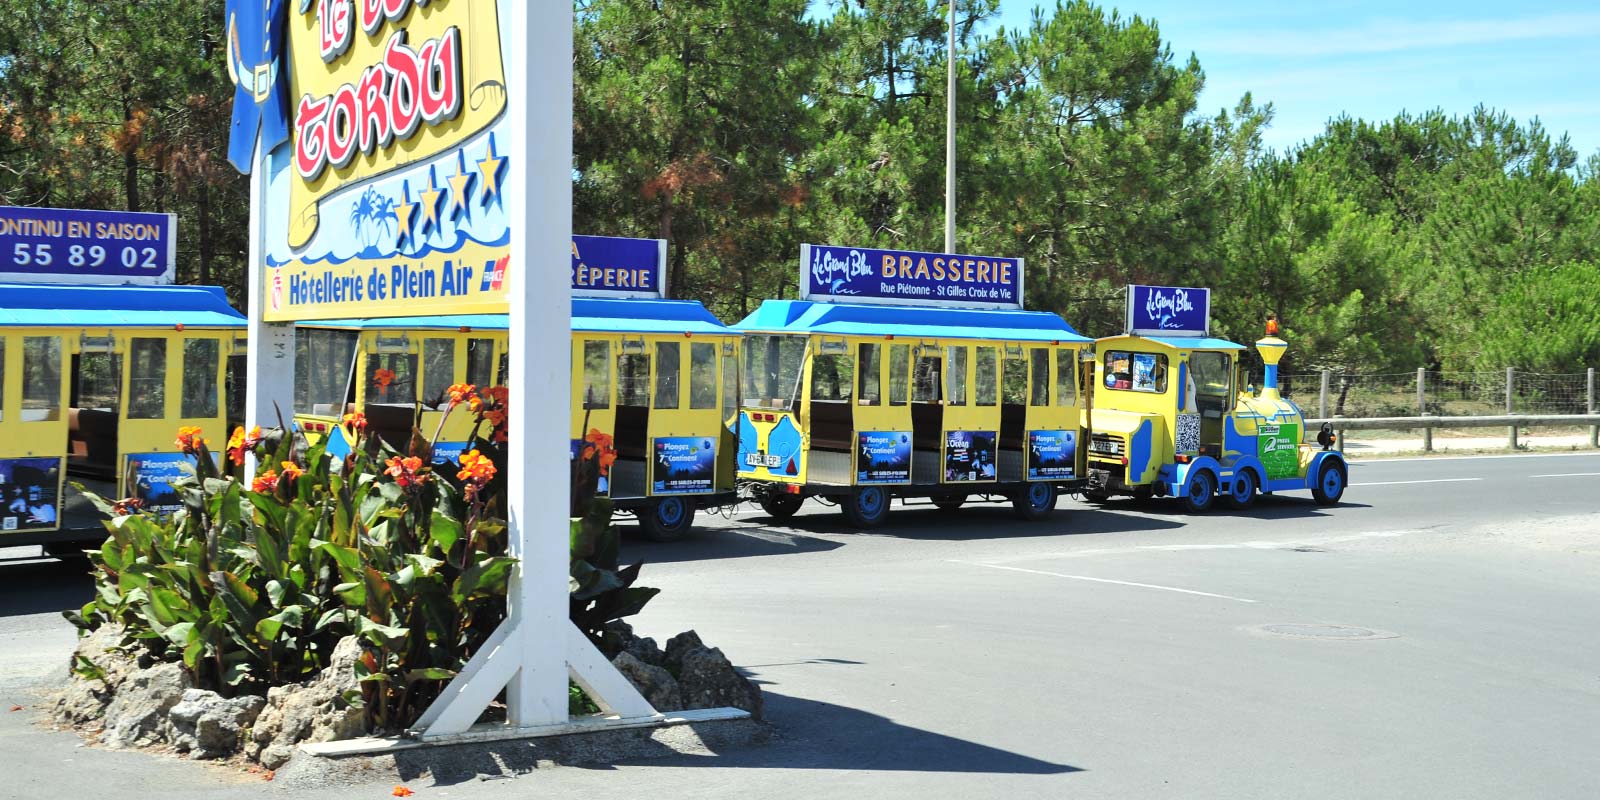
[1146,373]
[387,196]
[1052,455]
[60,245]
[969,456]
[883,457]
[30,494]
[612,266]
[1278,446]
[149,477]
[449,453]
[683,465]
[899,277]
[1168,311]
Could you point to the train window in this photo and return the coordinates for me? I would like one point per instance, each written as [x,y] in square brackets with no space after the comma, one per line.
[41,378]
[730,383]
[1211,373]
[597,374]
[985,374]
[1138,372]
[323,363]
[955,376]
[1039,366]
[869,374]
[633,380]
[1014,382]
[702,375]
[201,362]
[668,363]
[772,370]
[925,382]
[832,376]
[438,372]
[392,378]
[1066,377]
[147,379]
[899,373]
[480,362]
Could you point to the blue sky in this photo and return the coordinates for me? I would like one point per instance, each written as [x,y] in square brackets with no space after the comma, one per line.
[1372,60]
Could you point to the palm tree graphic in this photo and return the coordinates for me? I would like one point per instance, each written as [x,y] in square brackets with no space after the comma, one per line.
[372,216]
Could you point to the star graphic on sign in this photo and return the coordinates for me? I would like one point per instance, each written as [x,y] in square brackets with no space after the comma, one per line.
[430,204]
[490,166]
[459,184]
[402,215]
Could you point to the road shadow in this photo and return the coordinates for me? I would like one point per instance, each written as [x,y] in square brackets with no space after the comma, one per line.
[1266,507]
[799,734]
[43,585]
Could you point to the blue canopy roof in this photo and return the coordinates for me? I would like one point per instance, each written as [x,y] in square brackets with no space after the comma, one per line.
[80,306]
[588,314]
[845,319]
[1190,342]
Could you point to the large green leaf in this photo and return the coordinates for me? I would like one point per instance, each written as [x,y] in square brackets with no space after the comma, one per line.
[486,577]
[446,531]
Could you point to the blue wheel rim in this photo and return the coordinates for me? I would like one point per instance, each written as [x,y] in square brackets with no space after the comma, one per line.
[670,511]
[870,502]
[1200,488]
[1244,487]
[1332,481]
[1039,494]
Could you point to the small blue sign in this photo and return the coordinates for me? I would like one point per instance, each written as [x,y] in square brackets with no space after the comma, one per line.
[883,457]
[448,454]
[1168,311]
[900,277]
[1052,455]
[150,478]
[63,245]
[683,465]
[611,266]
[969,456]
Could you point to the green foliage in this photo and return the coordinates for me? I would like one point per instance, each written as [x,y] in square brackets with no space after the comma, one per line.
[1545,321]
[601,590]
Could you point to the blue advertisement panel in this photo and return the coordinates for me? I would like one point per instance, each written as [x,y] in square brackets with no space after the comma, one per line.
[611,266]
[61,245]
[883,457]
[683,465]
[30,494]
[1052,455]
[900,277]
[1168,311]
[449,453]
[969,456]
[149,478]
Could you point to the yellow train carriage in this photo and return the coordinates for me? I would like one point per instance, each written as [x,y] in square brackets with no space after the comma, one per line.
[95,382]
[862,403]
[657,376]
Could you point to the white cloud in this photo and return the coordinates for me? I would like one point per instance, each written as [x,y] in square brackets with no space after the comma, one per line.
[1390,36]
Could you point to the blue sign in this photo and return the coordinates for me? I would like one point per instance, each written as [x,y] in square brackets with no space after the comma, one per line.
[448,454]
[684,465]
[59,245]
[1052,455]
[898,277]
[883,457]
[1168,311]
[30,494]
[610,266]
[969,456]
[150,478]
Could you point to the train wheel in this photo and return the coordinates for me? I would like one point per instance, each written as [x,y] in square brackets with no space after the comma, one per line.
[1202,491]
[781,506]
[667,520]
[948,502]
[1242,494]
[1036,502]
[1331,480]
[866,507]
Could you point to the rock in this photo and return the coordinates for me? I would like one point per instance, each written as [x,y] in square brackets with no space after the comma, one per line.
[644,648]
[680,644]
[655,683]
[85,699]
[206,725]
[137,713]
[708,680]
[313,712]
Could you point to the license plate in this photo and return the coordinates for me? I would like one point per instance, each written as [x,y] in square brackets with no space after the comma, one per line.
[762,460]
[1109,448]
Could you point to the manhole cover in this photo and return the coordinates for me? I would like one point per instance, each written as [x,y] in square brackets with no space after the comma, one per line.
[1301,630]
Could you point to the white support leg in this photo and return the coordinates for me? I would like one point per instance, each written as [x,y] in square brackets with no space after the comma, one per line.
[269,386]
[612,692]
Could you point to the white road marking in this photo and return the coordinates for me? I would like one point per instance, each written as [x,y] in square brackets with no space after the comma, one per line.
[1366,461]
[1567,475]
[1431,480]
[1102,580]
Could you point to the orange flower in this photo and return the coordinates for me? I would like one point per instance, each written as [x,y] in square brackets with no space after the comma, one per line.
[402,791]
[476,472]
[404,471]
[463,393]
[292,470]
[127,506]
[265,482]
[240,443]
[382,377]
[495,417]
[356,422]
[189,439]
[602,443]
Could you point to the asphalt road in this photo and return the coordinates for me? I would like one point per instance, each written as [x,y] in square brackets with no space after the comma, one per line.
[1435,636]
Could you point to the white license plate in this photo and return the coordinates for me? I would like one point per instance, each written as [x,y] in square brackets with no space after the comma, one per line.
[762,460]
[1103,447]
